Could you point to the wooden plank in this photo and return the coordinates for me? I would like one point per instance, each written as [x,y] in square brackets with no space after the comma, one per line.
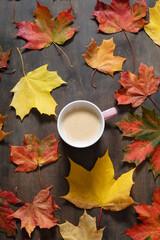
[78,87]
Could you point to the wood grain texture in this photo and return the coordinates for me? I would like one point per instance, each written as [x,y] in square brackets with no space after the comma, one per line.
[78,87]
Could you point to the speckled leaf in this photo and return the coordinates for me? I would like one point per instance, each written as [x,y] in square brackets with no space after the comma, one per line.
[120,16]
[137,88]
[7,223]
[2,133]
[45,29]
[39,213]
[149,215]
[35,153]
[146,131]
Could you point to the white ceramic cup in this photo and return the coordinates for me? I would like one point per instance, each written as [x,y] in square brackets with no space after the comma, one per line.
[80,104]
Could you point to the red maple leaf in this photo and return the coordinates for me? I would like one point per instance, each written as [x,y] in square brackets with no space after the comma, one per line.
[146,132]
[35,153]
[7,223]
[4,57]
[149,228]
[137,89]
[120,16]
[38,213]
[45,29]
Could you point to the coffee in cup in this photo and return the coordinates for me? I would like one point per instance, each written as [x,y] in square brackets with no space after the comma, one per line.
[81,123]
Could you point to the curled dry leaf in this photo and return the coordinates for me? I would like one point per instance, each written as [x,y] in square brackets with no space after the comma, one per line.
[137,88]
[98,188]
[35,153]
[149,228]
[38,213]
[85,230]
[2,133]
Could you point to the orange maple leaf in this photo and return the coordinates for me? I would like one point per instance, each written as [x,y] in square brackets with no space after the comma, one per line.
[102,59]
[2,133]
[38,213]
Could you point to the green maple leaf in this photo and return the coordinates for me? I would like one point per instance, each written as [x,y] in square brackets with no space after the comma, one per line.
[146,132]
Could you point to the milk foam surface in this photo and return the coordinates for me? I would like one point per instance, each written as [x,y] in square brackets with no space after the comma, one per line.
[80,124]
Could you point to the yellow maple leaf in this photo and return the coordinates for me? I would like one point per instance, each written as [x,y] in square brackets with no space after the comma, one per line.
[85,230]
[152,29]
[33,91]
[98,188]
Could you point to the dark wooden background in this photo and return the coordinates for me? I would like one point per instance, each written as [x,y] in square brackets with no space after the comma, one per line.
[79,87]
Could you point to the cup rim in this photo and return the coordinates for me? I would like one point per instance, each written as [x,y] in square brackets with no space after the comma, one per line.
[76,103]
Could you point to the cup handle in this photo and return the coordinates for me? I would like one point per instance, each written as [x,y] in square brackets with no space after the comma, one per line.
[109,113]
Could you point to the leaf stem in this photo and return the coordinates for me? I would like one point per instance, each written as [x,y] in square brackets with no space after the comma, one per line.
[92,77]
[7,71]
[99,219]
[130,45]
[125,35]
[39,173]
[63,53]
[154,101]
[71,3]
[21,61]
[20,196]
[13,11]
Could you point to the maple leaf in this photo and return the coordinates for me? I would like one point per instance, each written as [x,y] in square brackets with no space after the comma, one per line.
[7,223]
[2,133]
[46,29]
[38,213]
[33,91]
[4,57]
[120,16]
[85,230]
[152,29]
[146,131]
[137,89]
[149,228]
[98,188]
[34,153]
[102,59]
